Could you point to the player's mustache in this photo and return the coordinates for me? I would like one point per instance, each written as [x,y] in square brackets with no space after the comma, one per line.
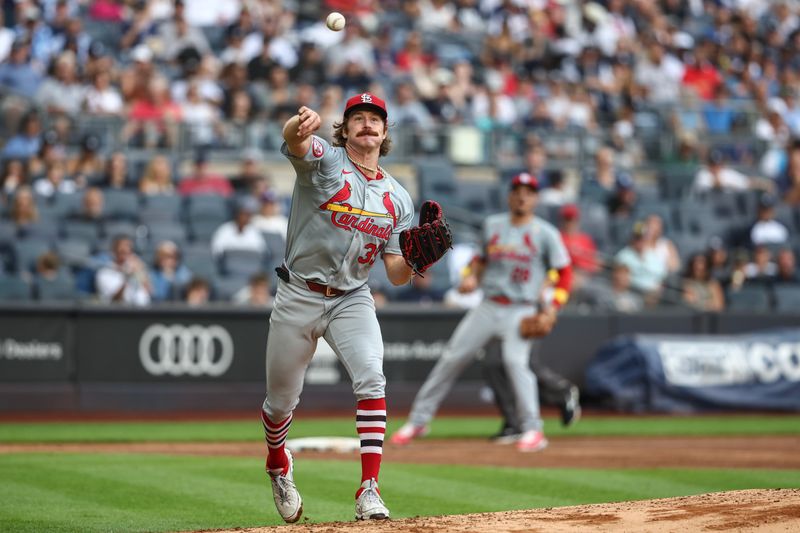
[362,133]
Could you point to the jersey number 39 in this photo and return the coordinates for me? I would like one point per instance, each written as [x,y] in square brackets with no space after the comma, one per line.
[370,254]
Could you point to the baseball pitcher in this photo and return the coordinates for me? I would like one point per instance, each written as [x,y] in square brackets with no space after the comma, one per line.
[518,249]
[347,212]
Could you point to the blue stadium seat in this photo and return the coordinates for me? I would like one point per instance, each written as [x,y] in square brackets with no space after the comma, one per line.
[225,288]
[121,204]
[59,289]
[242,263]
[81,229]
[168,231]
[200,261]
[207,207]
[27,251]
[787,297]
[201,230]
[74,252]
[8,233]
[160,207]
[436,177]
[120,227]
[13,289]
[749,298]
[65,205]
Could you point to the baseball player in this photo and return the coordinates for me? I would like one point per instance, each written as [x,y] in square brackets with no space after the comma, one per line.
[518,249]
[347,212]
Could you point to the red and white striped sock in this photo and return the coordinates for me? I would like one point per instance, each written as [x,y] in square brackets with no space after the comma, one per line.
[275,435]
[371,427]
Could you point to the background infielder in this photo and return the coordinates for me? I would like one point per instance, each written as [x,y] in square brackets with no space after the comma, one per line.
[346,213]
[518,249]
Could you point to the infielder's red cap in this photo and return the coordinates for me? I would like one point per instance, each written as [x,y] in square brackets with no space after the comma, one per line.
[570,212]
[525,179]
[366,100]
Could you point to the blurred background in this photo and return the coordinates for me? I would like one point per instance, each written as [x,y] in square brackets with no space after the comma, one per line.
[140,138]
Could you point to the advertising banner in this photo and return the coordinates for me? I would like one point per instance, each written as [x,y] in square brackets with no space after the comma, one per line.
[679,373]
[35,348]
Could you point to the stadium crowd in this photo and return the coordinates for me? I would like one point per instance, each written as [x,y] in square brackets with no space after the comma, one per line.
[665,136]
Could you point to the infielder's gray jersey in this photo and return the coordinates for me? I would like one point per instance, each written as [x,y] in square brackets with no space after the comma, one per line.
[341,221]
[517,258]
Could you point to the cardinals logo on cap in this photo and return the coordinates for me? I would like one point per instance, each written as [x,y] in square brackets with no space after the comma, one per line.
[366,98]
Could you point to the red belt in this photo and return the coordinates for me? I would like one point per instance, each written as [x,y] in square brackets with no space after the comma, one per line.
[505,300]
[324,289]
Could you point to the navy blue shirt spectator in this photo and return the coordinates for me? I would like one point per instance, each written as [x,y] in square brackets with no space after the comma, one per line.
[17,75]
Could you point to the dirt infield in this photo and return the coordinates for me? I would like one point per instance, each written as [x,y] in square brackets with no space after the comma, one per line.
[578,452]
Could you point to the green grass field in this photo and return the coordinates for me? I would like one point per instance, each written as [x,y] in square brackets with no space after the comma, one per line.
[137,492]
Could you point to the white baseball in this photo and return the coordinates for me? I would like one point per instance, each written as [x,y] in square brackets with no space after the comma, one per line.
[335,21]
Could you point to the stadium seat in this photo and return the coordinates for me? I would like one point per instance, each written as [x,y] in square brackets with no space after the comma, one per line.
[749,298]
[436,177]
[242,263]
[27,251]
[61,288]
[168,231]
[120,227]
[81,229]
[788,216]
[201,230]
[14,289]
[594,221]
[787,297]
[8,233]
[42,230]
[74,252]
[159,207]
[121,204]
[225,288]
[200,261]
[207,207]
[65,205]
[276,244]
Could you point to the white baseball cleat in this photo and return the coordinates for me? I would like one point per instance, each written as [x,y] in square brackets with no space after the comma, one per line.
[369,505]
[287,499]
[407,433]
[532,441]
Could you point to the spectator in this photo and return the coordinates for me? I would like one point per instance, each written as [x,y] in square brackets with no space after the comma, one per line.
[87,165]
[23,208]
[6,38]
[663,247]
[153,118]
[767,230]
[786,267]
[157,177]
[270,218]
[125,278]
[168,274]
[202,181]
[421,291]
[14,176]
[601,185]
[17,74]
[250,178]
[62,93]
[761,269]
[179,37]
[139,26]
[791,181]
[700,290]
[615,296]
[719,114]
[718,265]
[44,43]
[54,181]
[555,193]
[717,176]
[200,116]
[239,233]
[116,174]
[101,98]
[580,245]
[700,74]
[28,140]
[622,203]
[92,206]
[647,269]
[197,293]
[255,293]
[48,266]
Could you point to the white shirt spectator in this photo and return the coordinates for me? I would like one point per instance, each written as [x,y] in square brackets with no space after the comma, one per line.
[46,188]
[228,237]
[104,102]
[274,224]
[6,40]
[109,280]
[662,81]
[728,178]
[769,232]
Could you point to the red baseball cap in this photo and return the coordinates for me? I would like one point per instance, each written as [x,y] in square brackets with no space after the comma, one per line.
[367,100]
[525,179]
[570,212]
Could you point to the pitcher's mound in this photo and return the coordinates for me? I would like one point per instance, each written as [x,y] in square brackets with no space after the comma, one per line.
[740,511]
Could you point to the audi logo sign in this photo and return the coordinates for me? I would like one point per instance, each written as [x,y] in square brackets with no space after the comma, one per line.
[193,350]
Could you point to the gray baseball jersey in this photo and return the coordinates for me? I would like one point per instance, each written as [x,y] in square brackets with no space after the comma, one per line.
[517,258]
[341,222]
[516,262]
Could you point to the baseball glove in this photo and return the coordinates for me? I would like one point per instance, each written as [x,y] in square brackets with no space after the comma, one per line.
[537,325]
[425,244]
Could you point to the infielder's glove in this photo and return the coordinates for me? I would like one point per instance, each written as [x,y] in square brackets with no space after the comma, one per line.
[425,244]
[537,325]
